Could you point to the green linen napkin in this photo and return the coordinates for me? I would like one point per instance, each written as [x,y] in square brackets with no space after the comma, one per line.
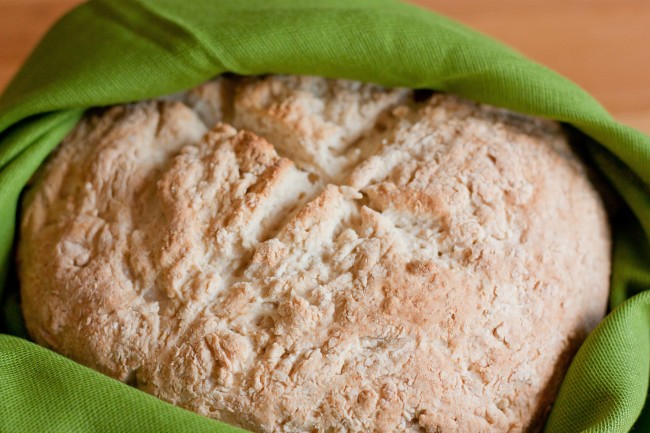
[113,51]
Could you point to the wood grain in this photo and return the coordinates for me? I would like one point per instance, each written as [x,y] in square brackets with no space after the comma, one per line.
[603,45]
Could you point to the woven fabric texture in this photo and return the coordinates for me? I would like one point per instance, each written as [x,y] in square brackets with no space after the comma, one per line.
[113,51]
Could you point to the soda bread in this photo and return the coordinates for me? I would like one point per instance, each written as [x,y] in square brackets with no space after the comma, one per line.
[343,258]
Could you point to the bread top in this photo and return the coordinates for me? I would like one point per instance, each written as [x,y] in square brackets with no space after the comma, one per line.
[344,257]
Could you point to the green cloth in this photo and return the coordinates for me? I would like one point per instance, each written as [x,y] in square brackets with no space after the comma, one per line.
[112,51]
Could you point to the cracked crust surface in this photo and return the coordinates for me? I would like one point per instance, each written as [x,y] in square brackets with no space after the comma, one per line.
[343,258]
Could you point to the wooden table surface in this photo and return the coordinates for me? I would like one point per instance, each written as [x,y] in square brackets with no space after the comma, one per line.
[603,45]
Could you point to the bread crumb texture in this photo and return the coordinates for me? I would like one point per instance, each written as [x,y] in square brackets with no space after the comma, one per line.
[300,254]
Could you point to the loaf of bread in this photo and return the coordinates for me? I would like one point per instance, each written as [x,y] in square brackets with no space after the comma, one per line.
[300,254]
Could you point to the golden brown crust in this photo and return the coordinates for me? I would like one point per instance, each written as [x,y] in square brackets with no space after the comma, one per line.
[437,279]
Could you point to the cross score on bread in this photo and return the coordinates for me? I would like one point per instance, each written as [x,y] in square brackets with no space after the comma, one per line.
[299,254]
